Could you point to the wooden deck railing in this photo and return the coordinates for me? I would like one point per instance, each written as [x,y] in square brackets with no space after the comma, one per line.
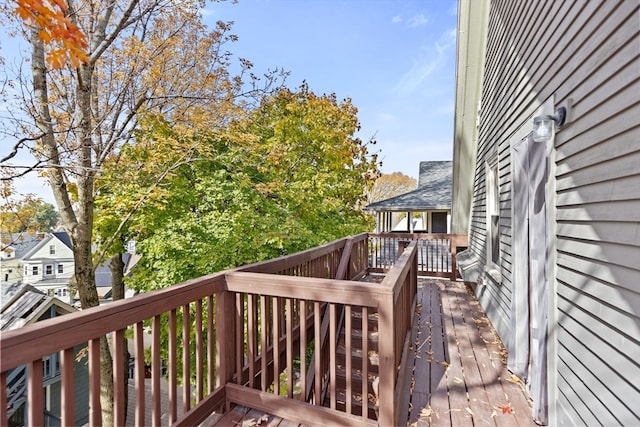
[263,335]
[436,252]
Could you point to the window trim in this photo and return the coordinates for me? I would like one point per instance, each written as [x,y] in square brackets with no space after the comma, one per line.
[492,199]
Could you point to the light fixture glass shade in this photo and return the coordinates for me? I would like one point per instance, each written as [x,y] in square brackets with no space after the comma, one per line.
[543,128]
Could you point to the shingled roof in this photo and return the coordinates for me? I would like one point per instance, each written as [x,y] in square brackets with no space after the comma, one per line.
[433,192]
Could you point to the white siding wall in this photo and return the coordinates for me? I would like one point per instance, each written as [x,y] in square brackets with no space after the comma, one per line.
[585,54]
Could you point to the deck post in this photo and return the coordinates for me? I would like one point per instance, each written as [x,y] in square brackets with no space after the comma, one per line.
[386,360]
[225,337]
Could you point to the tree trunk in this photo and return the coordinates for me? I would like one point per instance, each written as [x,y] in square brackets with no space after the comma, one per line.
[77,220]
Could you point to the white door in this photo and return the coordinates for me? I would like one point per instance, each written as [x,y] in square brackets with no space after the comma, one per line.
[529,306]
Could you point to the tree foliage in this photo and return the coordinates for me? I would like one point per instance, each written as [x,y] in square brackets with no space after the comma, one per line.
[390,185]
[28,214]
[53,19]
[289,176]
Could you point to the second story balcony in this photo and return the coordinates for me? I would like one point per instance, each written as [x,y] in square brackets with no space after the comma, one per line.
[349,333]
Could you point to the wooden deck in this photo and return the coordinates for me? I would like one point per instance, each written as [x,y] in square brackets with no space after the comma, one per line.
[459,376]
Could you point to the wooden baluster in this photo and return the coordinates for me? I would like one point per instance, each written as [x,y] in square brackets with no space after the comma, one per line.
[68,390]
[276,346]
[264,342]
[155,372]
[138,336]
[303,348]
[251,337]
[348,354]
[199,355]
[289,345]
[35,404]
[365,362]
[239,336]
[173,366]
[95,409]
[186,358]
[119,383]
[211,345]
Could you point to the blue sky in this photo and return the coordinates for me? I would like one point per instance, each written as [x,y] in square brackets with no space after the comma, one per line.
[395,59]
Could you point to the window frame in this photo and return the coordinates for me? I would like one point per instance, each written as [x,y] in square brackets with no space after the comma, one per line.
[492,214]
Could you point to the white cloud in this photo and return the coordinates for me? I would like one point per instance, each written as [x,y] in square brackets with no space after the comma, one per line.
[418,20]
[396,19]
[428,60]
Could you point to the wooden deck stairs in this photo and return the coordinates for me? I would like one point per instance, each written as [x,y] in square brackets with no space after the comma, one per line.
[357,354]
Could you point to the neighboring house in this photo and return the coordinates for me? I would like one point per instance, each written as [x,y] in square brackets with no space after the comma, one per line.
[22,305]
[426,209]
[554,225]
[49,265]
[104,278]
[13,248]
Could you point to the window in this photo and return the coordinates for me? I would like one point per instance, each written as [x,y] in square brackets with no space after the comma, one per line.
[52,249]
[48,269]
[60,269]
[34,270]
[493,213]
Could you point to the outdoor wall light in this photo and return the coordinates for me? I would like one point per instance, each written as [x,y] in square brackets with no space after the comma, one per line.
[543,126]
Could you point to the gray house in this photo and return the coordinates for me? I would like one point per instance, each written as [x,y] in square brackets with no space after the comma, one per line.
[546,182]
[427,209]
[22,305]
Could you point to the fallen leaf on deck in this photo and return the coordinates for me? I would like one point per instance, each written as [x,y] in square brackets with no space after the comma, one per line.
[426,412]
[514,379]
[506,409]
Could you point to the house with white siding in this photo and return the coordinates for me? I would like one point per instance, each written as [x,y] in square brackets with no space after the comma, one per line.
[427,209]
[553,211]
[49,265]
[13,247]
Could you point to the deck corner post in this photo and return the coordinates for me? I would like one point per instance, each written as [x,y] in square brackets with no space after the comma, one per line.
[387,362]
[225,338]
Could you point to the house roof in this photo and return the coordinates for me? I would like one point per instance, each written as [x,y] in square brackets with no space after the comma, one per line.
[24,304]
[62,236]
[433,192]
[21,243]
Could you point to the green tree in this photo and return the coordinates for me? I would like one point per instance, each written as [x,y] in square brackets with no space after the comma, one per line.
[289,176]
[27,214]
